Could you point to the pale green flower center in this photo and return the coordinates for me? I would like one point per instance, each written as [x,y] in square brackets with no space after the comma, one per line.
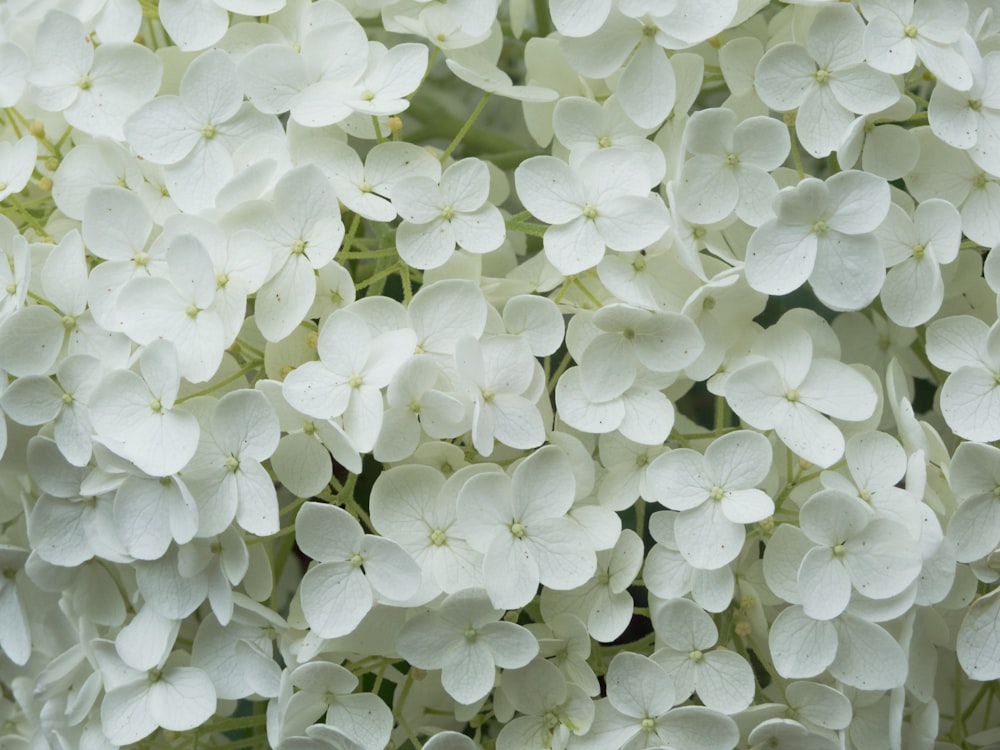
[438,537]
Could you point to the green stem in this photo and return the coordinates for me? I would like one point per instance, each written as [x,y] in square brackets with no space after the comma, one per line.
[586,292]
[527,227]
[466,127]
[542,17]
[721,413]
[379,276]
[345,247]
[255,365]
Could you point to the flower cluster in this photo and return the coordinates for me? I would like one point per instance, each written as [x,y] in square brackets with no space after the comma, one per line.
[460,374]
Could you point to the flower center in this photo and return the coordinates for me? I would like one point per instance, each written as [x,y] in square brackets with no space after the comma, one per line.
[438,537]
[518,530]
[232,463]
[209,132]
[590,211]
[717,493]
[792,395]
[839,550]
[819,228]
[447,213]
[732,160]
[919,251]
[695,656]
[822,76]
[910,31]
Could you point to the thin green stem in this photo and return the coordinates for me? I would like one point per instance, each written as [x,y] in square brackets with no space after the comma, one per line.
[586,292]
[796,154]
[345,246]
[255,365]
[527,227]
[466,127]
[542,17]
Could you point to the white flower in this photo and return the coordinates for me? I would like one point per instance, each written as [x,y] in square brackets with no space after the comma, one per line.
[604,203]
[669,576]
[970,397]
[901,32]
[637,712]
[551,708]
[320,88]
[855,651]
[827,80]
[146,690]
[823,233]
[849,548]
[325,689]
[970,119]
[630,337]
[950,174]
[978,645]
[366,189]
[730,166]
[975,476]
[463,638]
[94,89]
[17,161]
[520,525]
[36,400]
[15,637]
[437,216]
[179,308]
[585,126]
[722,678]
[603,602]
[347,380]
[136,416]
[416,507]
[504,382]
[353,568]
[226,474]
[715,494]
[914,249]
[194,134]
[300,230]
[789,391]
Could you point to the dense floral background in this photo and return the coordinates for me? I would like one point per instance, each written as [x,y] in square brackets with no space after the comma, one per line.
[456,374]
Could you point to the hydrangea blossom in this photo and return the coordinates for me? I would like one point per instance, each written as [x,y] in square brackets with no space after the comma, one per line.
[347,348]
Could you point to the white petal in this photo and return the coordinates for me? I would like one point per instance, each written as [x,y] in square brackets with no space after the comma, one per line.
[979,640]
[801,646]
[182,699]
